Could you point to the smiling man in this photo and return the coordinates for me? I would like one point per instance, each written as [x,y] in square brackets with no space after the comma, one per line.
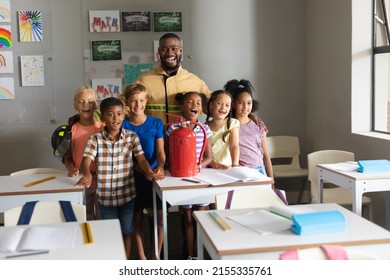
[169,78]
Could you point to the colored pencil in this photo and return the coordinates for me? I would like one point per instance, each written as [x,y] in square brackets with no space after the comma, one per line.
[40,181]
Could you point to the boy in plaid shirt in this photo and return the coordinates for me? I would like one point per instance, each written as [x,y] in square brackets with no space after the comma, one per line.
[113,150]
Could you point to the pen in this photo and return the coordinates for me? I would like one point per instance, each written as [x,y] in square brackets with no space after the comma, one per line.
[40,181]
[27,254]
[191,181]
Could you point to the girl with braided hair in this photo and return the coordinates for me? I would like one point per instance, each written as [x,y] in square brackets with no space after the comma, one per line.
[253,132]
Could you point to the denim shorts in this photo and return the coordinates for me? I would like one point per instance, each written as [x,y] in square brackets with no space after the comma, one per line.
[261,169]
[124,213]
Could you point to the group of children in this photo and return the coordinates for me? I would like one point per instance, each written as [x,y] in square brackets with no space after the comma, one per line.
[120,155]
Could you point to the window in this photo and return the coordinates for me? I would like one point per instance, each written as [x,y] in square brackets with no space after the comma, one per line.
[381,67]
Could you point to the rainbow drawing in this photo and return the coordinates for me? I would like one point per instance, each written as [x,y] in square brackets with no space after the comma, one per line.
[30,26]
[3,61]
[5,37]
[6,62]
[7,88]
[5,11]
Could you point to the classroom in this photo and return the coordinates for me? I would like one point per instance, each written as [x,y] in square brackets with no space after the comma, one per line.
[307,59]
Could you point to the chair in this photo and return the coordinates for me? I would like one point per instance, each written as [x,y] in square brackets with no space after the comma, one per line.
[284,152]
[45,212]
[249,198]
[38,171]
[333,194]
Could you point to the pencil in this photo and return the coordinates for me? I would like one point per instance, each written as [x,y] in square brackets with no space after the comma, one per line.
[220,221]
[27,254]
[40,181]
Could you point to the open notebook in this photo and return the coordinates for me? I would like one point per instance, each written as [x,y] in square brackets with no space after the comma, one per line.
[16,240]
[235,174]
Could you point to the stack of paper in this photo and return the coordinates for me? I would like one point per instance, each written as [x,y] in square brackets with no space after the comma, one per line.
[377,165]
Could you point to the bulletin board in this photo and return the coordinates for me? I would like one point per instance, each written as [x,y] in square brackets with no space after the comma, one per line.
[26,83]
[134,33]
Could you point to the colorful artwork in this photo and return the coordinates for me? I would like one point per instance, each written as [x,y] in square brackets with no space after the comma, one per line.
[5,11]
[136,21]
[106,50]
[7,90]
[30,26]
[107,87]
[32,70]
[104,21]
[167,22]
[132,71]
[6,62]
[5,36]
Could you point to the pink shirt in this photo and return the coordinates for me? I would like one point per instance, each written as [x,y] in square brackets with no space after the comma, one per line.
[251,151]
[80,136]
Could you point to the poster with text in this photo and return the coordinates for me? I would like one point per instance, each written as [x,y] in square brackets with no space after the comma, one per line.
[167,22]
[5,36]
[106,50]
[32,70]
[6,62]
[136,21]
[132,71]
[30,26]
[104,21]
[7,90]
[5,11]
[107,87]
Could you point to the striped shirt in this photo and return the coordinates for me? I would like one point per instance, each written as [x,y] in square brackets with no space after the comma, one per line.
[115,180]
[199,136]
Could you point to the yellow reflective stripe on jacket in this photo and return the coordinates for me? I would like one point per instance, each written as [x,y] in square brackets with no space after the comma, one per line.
[161,108]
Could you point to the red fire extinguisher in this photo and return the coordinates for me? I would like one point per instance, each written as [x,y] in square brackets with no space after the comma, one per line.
[182,149]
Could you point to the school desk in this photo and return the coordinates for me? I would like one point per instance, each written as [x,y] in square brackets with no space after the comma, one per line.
[358,183]
[13,193]
[176,191]
[107,243]
[244,243]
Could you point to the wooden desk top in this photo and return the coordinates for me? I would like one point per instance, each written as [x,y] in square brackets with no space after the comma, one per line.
[176,183]
[241,240]
[14,185]
[108,243]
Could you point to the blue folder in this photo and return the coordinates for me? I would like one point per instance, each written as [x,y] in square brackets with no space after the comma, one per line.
[375,165]
[318,222]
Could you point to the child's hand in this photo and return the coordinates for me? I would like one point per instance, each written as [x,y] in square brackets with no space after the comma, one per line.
[154,176]
[159,171]
[85,181]
[73,172]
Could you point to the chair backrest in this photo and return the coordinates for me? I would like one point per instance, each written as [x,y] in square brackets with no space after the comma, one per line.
[324,156]
[284,147]
[38,171]
[45,212]
[249,198]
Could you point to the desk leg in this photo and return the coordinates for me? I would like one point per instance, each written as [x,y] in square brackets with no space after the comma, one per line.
[320,187]
[155,226]
[165,225]
[199,243]
[357,199]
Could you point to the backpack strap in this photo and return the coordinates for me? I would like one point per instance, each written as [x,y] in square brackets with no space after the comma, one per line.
[67,210]
[26,213]
[229,199]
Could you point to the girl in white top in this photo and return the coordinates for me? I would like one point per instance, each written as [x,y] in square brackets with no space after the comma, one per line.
[253,132]
[225,129]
